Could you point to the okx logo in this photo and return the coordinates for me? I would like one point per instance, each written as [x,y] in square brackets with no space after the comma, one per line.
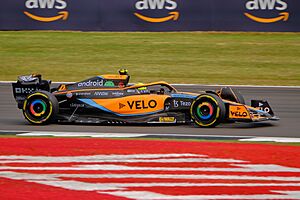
[155,5]
[278,8]
[58,6]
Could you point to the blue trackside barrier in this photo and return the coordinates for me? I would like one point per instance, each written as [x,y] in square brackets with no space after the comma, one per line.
[151,15]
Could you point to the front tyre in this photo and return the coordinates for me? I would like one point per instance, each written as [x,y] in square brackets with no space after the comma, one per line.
[208,110]
[40,107]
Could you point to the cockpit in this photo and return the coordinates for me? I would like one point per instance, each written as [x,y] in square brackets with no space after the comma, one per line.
[160,87]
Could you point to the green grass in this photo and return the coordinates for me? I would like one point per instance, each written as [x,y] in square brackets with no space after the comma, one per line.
[187,57]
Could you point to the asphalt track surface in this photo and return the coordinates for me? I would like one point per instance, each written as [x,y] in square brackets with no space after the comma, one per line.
[285,102]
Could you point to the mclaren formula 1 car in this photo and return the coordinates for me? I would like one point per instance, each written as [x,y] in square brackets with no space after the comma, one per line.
[108,99]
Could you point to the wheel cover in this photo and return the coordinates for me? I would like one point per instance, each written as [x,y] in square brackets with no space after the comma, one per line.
[205,110]
[38,107]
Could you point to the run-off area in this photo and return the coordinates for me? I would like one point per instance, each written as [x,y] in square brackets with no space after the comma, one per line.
[92,168]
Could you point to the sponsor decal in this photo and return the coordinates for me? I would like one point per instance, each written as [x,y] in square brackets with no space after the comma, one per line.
[142,104]
[278,7]
[96,83]
[117,93]
[167,107]
[62,87]
[185,103]
[131,105]
[97,93]
[238,112]
[113,76]
[20,98]
[169,5]
[131,91]
[167,119]
[24,90]
[175,103]
[58,5]
[187,96]
[109,84]
[266,109]
[83,93]
[121,105]
[263,107]
[76,105]
[121,84]
[69,95]
[111,169]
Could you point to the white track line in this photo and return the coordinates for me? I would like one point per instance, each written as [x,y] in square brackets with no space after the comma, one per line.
[136,135]
[270,139]
[199,85]
[99,134]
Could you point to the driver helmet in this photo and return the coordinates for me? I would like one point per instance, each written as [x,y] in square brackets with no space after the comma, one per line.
[142,89]
[123,72]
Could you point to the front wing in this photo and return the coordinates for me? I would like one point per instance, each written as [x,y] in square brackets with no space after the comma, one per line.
[245,113]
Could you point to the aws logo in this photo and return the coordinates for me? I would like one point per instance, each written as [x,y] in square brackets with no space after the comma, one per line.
[169,5]
[59,5]
[267,5]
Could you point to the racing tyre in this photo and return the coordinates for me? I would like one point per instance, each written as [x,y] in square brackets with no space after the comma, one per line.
[40,107]
[232,94]
[208,110]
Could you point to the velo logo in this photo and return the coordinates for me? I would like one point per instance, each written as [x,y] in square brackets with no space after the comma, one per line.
[60,5]
[169,5]
[279,6]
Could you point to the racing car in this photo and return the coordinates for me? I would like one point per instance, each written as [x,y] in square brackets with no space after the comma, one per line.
[110,99]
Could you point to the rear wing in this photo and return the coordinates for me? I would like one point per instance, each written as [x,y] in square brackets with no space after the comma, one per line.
[28,84]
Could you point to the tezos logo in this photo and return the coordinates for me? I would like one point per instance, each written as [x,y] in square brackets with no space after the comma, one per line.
[59,5]
[169,5]
[267,5]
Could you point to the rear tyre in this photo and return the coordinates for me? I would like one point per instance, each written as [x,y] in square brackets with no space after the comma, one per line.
[208,110]
[40,107]
[232,94]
